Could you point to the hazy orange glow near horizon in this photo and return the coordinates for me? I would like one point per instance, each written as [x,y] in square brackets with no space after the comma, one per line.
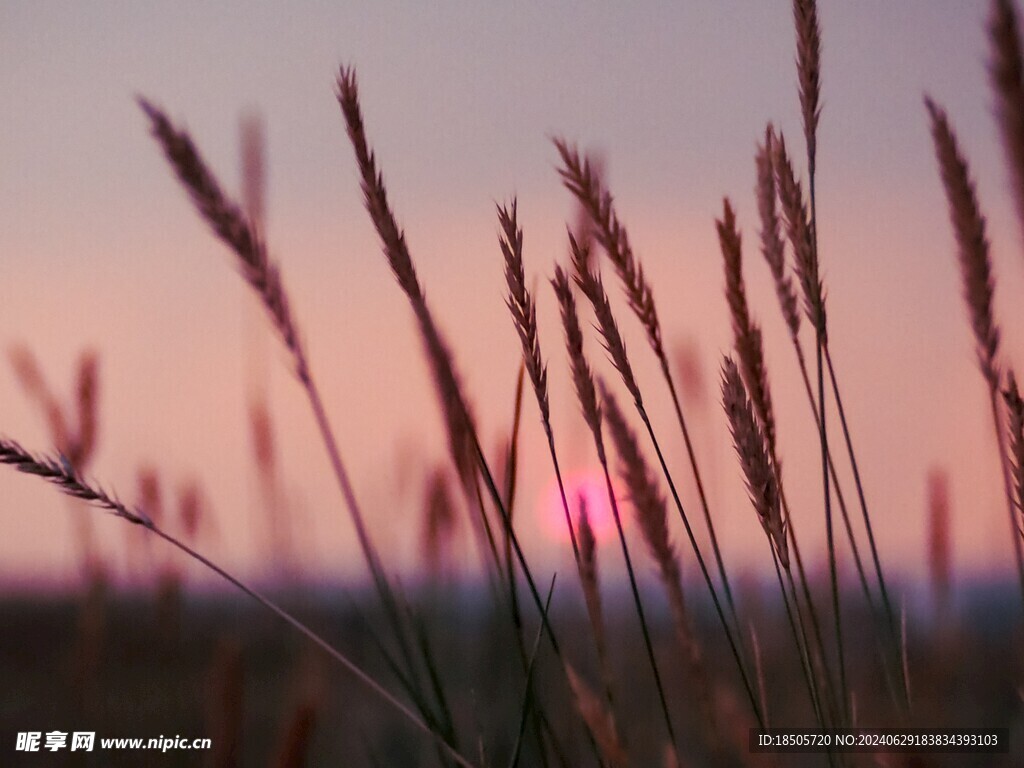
[99,248]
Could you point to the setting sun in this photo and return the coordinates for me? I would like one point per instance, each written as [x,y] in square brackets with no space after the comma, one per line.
[587,484]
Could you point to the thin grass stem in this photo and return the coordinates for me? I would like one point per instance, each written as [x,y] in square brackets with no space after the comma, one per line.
[719,610]
[61,475]
[876,560]
[527,692]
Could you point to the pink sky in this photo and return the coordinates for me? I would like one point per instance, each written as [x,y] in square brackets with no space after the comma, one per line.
[100,247]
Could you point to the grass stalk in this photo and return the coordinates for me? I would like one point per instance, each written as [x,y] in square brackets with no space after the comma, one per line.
[1006,69]
[772,248]
[800,229]
[60,474]
[592,598]
[600,722]
[808,49]
[830,538]
[511,472]
[586,393]
[523,309]
[528,695]
[719,610]
[652,519]
[584,182]
[242,236]
[876,560]
[799,640]
[978,287]
[593,288]
[748,418]
[465,443]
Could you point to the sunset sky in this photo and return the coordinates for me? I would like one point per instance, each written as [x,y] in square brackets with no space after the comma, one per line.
[99,247]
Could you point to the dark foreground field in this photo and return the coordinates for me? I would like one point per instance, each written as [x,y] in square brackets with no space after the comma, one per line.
[224,669]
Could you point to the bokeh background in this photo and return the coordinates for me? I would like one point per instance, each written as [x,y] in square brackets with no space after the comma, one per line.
[99,248]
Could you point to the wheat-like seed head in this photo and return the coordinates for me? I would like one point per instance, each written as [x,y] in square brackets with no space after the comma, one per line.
[592,286]
[522,306]
[648,503]
[582,227]
[582,376]
[61,474]
[732,253]
[1015,441]
[457,412]
[149,493]
[1007,73]
[972,243]
[30,377]
[599,720]
[798,229]
[253,167]
[589,580]
[580,178]
[191,508]
[86,395]
[747,334]
[808,54]
[232,226]
[439,518]
[772,246]
[588,549]
[374,191]
[458,418]
[652,519]
[262,430]
[755,458]
[939,543]
[75,443]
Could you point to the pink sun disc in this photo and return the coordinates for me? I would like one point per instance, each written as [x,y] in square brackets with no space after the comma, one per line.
[586,484]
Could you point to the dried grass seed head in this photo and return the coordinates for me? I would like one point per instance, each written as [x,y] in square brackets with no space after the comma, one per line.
[1015,440]
[582,376]
[230,224]
[808,53]
[746,333]
[755,459]
[599,720]
[772,246]
[457,414]
[1007,74]
[972,243]
[585,184]
[592,286]
[798,229]
[63,475]
[648,503]
[374,191]
[522,305]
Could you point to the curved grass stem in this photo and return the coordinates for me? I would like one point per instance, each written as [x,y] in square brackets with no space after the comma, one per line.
[876,560]
[60,474]
[705,508]
[716,601]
